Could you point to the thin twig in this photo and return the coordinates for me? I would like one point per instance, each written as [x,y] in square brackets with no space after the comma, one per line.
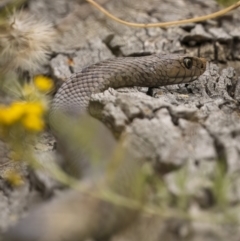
[165,24]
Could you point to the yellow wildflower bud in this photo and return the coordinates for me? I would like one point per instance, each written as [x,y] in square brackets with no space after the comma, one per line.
[33,123]
[11,114]
[34,108]
[14,178]
[43,83]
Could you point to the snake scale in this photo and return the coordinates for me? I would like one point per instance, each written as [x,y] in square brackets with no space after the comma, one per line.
[75,216]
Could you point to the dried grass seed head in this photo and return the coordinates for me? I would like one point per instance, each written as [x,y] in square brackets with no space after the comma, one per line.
[25,42]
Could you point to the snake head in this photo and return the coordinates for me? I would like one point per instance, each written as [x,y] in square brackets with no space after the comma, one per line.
[178,69]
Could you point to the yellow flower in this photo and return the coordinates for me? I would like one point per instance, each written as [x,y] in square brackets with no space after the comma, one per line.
[33,122]
[11,114]
[43,83]
[34,108]
[14,178]
[30,114]
[33,119]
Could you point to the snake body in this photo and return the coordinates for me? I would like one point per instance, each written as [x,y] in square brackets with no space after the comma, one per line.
[76,216]
[146,71]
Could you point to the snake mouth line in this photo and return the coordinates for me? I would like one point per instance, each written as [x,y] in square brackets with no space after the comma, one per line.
[181,80]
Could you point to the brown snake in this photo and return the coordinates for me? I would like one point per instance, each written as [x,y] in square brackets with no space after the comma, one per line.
[76,216]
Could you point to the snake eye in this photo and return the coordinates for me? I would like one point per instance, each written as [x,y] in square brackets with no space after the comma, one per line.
[188,63]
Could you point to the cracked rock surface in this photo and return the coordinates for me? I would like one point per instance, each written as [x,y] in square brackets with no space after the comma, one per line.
[187,128]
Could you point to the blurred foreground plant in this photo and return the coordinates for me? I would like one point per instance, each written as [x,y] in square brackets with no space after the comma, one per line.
[23,119]
[24,42]
[7,6]
[227,2]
